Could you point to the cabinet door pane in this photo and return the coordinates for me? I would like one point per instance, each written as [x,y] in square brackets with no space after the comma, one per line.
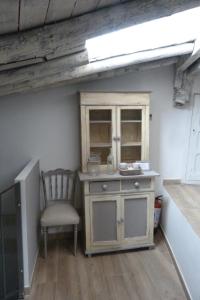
[100,132]
[135,217]
[130,134]
[104,214]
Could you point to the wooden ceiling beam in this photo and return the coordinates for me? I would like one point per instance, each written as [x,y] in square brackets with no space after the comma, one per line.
[69,36]
[28,78]
[36,84]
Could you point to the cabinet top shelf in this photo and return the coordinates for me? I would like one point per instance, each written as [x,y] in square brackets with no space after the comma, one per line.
[131,121]
[131,144]
[109,121]
[116,176]
[100,121]
[100,145]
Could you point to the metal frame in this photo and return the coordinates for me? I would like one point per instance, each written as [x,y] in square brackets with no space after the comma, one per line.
[20,295]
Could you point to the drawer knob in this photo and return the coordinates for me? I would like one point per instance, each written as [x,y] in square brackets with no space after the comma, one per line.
[104,187]
[136,185]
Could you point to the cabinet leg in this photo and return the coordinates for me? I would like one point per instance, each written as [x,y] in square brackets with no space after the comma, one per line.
[88,255]
[151,247]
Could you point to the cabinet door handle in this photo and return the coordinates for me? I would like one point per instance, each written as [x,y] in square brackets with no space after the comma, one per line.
[118,222]
[116,139]
[122,220]
[104,187]
[136,185]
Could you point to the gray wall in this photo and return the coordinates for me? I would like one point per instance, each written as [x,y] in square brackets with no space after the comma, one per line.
[45,124]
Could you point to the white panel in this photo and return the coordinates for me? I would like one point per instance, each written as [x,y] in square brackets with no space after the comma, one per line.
[32,13]
[9,16]
[194,148]
[29,180]
[104,221]
[135,217]
[59,9]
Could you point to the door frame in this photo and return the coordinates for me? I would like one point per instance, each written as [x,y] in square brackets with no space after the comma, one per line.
[187,172]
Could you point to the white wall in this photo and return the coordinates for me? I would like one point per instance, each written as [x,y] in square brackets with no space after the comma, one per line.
[45,124]
[29,179]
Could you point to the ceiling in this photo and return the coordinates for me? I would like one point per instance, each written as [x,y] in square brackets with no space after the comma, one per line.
[34,54]
[19,15]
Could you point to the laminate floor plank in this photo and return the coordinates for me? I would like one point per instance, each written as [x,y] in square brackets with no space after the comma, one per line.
[129,275]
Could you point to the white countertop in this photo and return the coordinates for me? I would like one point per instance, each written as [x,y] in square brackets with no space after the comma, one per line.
[115,176]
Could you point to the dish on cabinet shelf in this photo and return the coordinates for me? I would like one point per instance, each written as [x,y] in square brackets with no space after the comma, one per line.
[126,169]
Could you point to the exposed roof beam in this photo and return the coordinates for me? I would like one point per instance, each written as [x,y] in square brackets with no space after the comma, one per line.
[21,63]
[45,69]
[29,78]
[69,36]
[194,57]
[184,73]
[132,68]
[194,69]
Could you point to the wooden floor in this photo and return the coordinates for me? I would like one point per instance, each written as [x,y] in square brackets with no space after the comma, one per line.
[187,198]
[134,275]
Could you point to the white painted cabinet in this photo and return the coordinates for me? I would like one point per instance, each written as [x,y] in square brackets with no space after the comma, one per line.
[118,211]
[121,216]
[118,221]
[115,120]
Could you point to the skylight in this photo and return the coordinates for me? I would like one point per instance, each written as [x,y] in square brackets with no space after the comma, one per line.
[175,29]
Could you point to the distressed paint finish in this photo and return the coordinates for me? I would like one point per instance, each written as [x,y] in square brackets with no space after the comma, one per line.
[70,36]
[103,3]
[83,6]
[32,13]
[59,10]
[9,13]
[33,77]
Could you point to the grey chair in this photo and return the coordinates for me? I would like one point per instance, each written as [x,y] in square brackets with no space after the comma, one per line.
[59,187]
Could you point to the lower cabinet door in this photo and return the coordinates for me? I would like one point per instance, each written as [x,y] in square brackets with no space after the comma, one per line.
[105,220]
[137,218]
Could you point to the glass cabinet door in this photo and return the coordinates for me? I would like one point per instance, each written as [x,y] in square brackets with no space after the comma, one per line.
[131,124]
[105,218]
[101,133]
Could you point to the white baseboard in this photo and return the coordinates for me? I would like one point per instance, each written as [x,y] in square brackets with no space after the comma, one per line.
[178,269]
[27,289]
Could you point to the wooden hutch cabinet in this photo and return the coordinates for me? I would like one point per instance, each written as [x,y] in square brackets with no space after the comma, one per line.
[118,210]
[115,120]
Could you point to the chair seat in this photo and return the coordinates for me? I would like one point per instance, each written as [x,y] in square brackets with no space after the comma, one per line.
[59,214]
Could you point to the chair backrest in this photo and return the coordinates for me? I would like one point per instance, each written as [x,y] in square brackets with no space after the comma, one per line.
[58,185]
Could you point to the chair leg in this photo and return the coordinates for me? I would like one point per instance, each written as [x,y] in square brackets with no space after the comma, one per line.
[75,238]
[45,231]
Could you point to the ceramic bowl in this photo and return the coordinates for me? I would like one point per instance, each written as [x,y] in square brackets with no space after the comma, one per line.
[123,166]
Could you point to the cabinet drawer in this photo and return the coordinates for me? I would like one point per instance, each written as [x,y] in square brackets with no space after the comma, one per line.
[136,184]
[104,186]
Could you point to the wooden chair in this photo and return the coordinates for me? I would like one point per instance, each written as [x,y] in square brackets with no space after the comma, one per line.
[58,187]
